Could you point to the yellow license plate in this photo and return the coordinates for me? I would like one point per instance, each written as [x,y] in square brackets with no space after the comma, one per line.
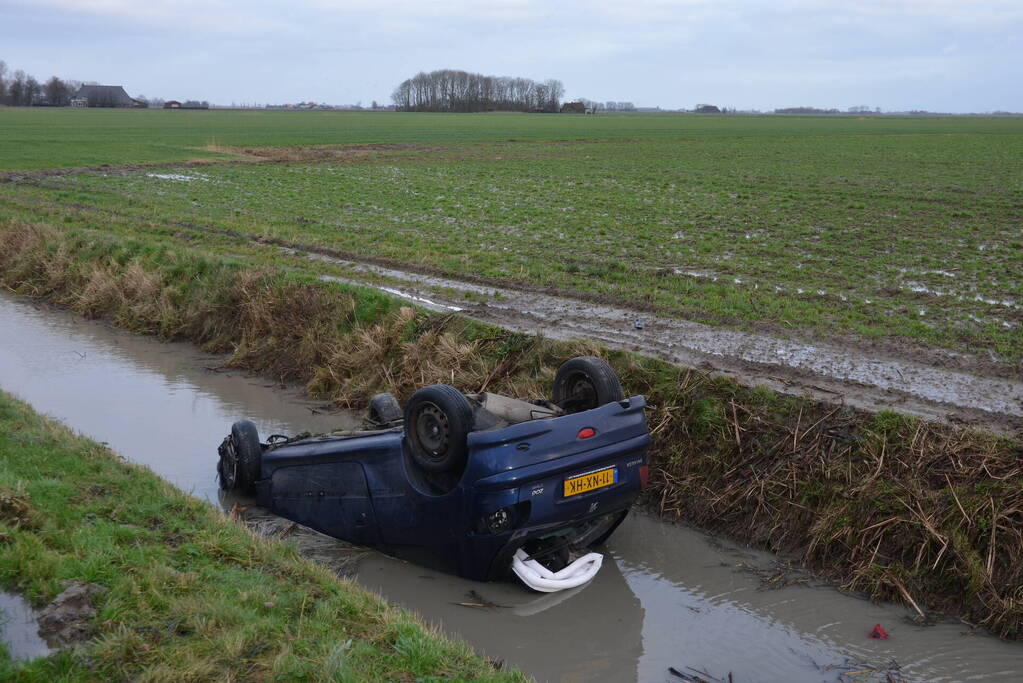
[590,481]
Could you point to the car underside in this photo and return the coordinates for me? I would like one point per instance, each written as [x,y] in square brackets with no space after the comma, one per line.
[480,485]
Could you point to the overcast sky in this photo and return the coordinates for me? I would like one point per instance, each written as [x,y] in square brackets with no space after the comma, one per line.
[940,55]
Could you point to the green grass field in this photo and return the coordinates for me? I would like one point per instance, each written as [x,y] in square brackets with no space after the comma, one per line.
[893,230]
[68,138]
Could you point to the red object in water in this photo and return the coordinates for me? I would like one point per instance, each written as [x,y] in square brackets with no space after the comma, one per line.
[878,632]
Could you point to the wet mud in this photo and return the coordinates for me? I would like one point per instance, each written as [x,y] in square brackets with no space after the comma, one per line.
[667,596]
[65,621]
[831,373]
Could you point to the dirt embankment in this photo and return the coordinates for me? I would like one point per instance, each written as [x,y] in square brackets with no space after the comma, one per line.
[902,509]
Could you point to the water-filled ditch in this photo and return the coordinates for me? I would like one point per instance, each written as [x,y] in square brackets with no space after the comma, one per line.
[670,597]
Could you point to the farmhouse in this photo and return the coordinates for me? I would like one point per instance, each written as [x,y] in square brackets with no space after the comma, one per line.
[103,96]
[573,108]
[172,104]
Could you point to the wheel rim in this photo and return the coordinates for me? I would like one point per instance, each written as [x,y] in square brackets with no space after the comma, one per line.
[580,392]
[229,465]
[432,431]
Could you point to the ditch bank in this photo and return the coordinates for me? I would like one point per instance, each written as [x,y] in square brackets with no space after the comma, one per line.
[146,582]
[901,509]
[666,596]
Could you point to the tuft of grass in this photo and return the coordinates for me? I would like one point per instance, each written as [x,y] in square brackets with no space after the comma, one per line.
[887,422]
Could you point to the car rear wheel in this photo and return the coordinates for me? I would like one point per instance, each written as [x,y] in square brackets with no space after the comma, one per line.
[584,383]
[239,458]
[384,410]
[438,420]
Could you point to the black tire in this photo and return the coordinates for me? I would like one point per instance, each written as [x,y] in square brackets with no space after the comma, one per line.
[239,458]
[384,409]
[438,418]
[584,383]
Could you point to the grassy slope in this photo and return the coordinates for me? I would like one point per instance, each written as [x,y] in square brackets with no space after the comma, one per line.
[881,503]
[191,596]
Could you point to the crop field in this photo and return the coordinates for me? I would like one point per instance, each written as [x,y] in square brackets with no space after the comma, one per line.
[899,232]
[68,138]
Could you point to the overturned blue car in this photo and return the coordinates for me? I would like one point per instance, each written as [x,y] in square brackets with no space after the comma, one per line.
[479,485]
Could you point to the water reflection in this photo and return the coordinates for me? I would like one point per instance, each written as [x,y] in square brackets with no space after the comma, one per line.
[705,609]
[19,630]
[165,405]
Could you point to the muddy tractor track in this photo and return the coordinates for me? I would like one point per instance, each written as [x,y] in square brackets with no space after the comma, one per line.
[834,373]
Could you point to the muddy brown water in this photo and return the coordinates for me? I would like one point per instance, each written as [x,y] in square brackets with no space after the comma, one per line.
[667,596]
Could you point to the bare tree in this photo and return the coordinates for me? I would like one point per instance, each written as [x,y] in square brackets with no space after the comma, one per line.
[32,91]
[3,80]
[16,88]
[57,92]
[555,91]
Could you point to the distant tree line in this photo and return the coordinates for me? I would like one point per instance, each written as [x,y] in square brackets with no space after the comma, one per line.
[805,110]
[18,89]
[459,91]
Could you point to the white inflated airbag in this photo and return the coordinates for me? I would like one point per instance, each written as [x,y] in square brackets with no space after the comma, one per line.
[540,578]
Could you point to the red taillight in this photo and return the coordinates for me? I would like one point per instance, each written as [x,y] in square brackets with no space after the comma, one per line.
[586,432]
[644,474]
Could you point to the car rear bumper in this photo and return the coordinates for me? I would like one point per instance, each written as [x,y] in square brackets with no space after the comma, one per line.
[580,535]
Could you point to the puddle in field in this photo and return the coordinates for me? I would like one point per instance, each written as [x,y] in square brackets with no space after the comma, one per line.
[19,630]
[179,177]
[667,596]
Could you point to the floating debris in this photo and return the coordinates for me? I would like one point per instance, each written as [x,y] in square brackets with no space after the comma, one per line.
[879,632]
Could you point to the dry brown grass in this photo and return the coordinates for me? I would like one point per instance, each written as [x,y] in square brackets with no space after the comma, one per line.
[16,510]
[901,509]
